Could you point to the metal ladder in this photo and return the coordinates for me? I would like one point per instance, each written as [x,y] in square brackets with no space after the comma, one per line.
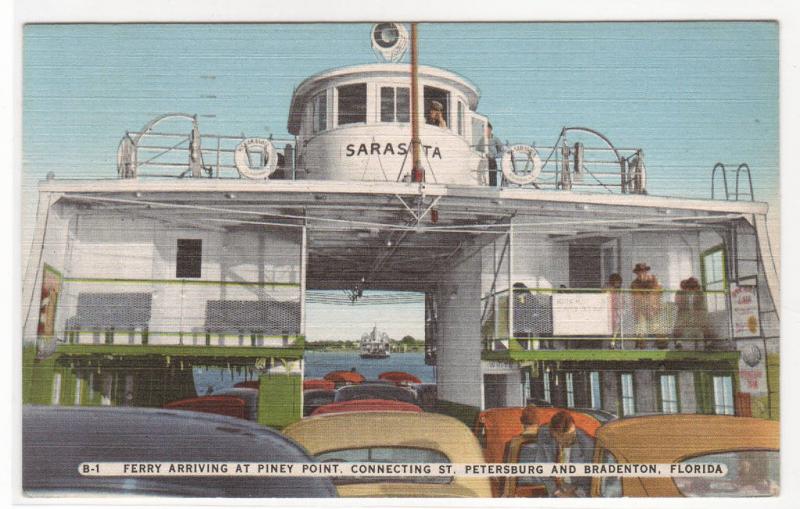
[737,195]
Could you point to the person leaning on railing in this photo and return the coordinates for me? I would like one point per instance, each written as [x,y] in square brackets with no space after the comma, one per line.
[691,321]
[646,301]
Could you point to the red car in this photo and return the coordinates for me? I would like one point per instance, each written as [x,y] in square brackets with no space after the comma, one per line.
[399,378]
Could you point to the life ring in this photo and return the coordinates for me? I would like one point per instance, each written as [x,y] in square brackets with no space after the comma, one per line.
[242,159]
[531,160]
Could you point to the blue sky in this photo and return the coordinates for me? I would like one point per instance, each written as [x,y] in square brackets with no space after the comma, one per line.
[689,94]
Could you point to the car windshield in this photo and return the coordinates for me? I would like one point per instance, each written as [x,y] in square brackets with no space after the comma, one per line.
[750,474]
[396,454]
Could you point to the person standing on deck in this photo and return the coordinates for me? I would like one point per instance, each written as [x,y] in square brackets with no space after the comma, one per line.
[646,301]
[494,149]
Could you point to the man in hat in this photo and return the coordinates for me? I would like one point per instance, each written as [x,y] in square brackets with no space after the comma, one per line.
[436,115]
[646,301]
[494,149]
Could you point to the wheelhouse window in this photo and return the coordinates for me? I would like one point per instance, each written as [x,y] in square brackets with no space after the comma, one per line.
[714,279]
[352,104]
[723,395]
[188,261]
[669,394]
[320,112]
[594,387]
[436,98]
[395,104]
[626,393]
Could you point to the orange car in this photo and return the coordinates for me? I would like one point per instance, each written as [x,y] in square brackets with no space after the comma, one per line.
[497,426]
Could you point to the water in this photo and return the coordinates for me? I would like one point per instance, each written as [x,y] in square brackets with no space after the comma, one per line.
[317,364]
[320,363]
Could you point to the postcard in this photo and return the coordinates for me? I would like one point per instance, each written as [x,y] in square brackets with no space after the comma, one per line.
[400,259]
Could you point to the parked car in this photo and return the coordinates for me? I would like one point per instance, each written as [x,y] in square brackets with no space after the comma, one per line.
[366,405]
[401,437]
[231,406]
[318,383]
[55,440]
[344,377]
[399,378]
[749,447]
[315,398]
[375,391]
[238,402]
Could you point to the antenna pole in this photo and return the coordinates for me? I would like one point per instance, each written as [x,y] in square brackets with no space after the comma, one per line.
[417,172]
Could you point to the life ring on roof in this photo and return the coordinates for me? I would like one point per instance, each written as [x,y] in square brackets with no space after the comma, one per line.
[521,164]
[243,158]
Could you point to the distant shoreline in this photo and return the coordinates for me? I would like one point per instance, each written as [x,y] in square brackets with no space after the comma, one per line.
[353,346]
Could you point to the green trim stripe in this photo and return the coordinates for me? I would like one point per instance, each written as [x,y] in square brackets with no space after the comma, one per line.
[200,333]
[610,355]
[294,351]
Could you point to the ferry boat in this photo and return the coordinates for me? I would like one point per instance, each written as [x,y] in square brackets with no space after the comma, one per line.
[375,345]
[136,280]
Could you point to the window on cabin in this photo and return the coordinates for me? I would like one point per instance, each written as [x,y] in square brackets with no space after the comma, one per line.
[570,390]
[478,134]
[460,119]
[594,386]
[669,394]
[352,104]
[189,258]
[395,102]
[320,112]
[627,394]
[723,395]
[436,98]
[715,282]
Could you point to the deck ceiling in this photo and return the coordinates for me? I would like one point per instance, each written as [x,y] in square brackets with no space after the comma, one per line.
[387,242]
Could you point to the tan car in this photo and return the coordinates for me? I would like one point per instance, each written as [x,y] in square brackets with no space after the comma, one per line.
[394,437]
[747,446]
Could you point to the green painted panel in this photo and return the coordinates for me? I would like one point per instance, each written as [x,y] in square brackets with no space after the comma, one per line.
[773,385]
[295,352]
[611,355]
[464,413]
[280,399]
[37,377]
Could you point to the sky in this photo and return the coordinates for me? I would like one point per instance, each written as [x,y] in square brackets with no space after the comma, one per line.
[689,93]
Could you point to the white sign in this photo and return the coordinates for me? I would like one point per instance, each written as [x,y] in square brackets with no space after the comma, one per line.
[744,303]
[581,314]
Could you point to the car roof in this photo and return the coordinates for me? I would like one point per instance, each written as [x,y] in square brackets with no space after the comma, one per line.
[668,438]
[366,405]
[376,391]
[387,429]
[57,439]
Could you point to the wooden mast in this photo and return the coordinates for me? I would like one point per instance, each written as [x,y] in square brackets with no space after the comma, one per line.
[417,172]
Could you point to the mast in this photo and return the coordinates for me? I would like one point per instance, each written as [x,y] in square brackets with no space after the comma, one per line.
[417,172]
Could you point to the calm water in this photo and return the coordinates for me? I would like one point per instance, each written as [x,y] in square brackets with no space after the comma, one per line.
[317,364]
